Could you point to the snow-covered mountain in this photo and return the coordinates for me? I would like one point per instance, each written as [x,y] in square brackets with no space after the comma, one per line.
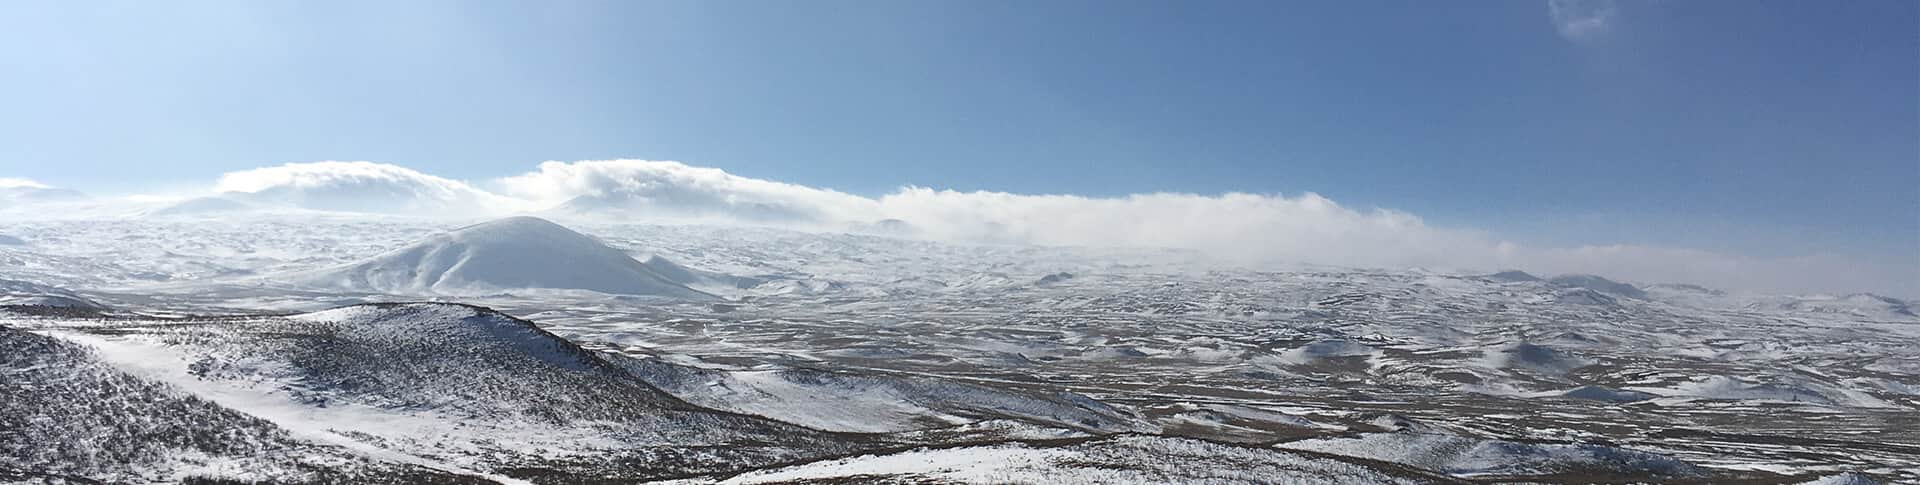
[506,254]
[1599,284]
[1858,304]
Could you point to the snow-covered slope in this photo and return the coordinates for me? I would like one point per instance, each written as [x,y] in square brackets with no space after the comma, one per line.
[873,403]
[707,281]
[1599,284]
[455,386]
[506,254]
[70,418]
[26,293]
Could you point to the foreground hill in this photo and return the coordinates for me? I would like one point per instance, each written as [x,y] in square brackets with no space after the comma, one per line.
[444,393]
[69,417]
[456,385]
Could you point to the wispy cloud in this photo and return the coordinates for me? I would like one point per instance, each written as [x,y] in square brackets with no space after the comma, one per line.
[1583,20]
[20,183]
[676,190]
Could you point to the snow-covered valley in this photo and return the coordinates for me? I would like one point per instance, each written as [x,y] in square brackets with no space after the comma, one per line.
[334,348]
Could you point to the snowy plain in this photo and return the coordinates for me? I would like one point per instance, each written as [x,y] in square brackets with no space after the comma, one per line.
[830,355]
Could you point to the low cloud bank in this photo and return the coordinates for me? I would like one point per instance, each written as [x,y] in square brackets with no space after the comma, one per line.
[673,190]
[360,187]
[1265,229]
[1238,226]
[18,191]
[1251,229]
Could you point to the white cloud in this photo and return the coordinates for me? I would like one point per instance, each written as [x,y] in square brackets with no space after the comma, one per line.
[14,190]
[20,183]
[1238,227]
[663,190]
[360,187]
[1582,20]
[1235,225]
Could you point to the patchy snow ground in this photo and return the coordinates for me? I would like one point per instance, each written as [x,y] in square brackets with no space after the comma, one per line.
[933,343]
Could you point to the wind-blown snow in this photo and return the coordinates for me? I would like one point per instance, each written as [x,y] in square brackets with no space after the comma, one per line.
[24,191]
[359,187]
[672,190]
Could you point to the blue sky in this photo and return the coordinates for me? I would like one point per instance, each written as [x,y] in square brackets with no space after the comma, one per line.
[1759,127]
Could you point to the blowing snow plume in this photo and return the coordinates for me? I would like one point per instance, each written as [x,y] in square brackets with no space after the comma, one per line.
[359,187]
[639,189]
[23,191]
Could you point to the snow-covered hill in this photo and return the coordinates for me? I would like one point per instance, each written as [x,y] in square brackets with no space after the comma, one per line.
[703,280]
[27,293]
[874,403]
[457,387]
[69,417]
[506,254]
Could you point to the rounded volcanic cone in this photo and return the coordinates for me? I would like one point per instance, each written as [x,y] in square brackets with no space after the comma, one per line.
[506,254]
